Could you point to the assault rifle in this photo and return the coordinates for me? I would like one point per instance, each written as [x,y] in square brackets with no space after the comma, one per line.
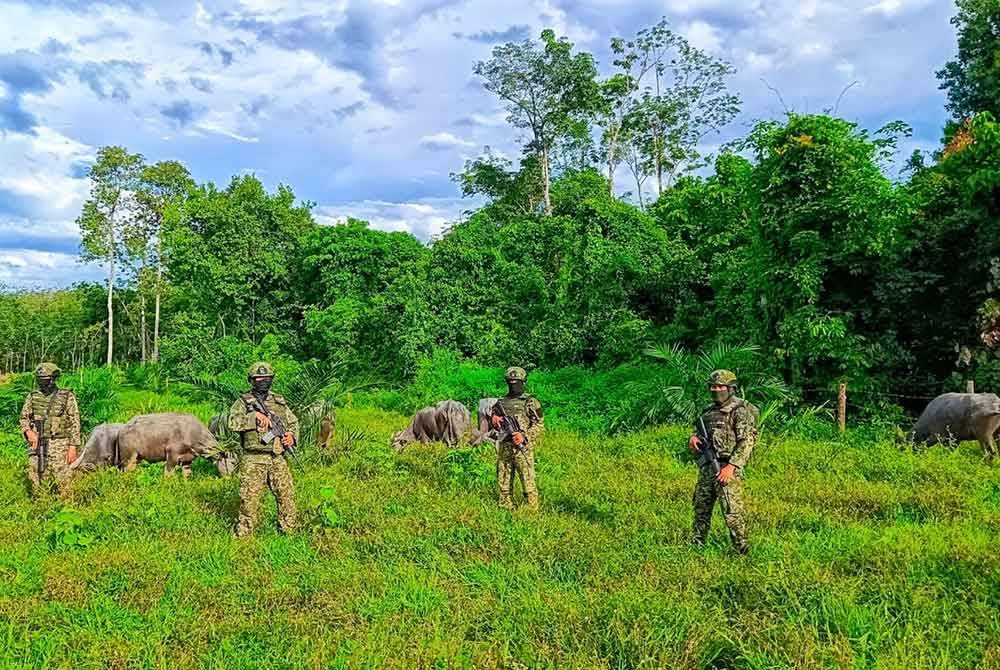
[708,455]
[508,426]
[277,429]
[42,445]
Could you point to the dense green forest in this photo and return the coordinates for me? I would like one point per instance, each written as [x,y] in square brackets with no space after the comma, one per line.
[795,243]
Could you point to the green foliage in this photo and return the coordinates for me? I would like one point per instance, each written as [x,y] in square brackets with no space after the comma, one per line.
[863,555]
[230,260]
[97,391]
[69,530]
[676,393]
[972,79]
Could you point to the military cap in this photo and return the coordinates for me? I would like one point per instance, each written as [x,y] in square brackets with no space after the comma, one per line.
[516,374]
[722,378]
[47,370]
[260,369]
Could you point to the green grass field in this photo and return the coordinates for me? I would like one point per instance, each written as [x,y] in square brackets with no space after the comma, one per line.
[863,556]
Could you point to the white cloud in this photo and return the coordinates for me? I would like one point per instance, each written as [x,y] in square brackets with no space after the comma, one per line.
[443,141]
[38,169]
[425,218]
[703,36]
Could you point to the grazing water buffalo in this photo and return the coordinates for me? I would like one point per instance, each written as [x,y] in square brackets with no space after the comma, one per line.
[446,422]
[482,432]
[173,438]
[961,416]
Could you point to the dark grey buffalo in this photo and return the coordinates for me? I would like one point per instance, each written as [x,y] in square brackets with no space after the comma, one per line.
[447,422]
[961,416]
[483,412]
[172,438]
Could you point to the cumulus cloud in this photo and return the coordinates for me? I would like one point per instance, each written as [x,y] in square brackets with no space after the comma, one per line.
[426,218]
[444,142]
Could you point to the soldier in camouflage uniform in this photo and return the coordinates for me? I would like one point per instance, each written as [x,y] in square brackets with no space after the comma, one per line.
[731,424]
[50,415]
[263,465]
[516,448]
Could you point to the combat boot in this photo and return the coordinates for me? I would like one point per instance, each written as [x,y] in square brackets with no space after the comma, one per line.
[507,503]
[532,501]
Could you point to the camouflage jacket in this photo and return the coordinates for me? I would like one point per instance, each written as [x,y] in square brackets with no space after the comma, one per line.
[242,420]
[528,412]
[61,423]
[732,428]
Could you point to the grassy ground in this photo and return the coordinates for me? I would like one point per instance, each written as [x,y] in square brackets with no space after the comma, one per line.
[863,556]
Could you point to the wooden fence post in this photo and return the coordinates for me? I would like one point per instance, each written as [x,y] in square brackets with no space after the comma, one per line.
[970,386]
[842,407]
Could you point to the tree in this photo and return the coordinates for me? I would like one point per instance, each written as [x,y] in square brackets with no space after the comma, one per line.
[825,219]
[107,215]
[545,92]
[667,97]
[233,260]
[616,104]
[490,175]
[940,289]
[972,79]
[161,192]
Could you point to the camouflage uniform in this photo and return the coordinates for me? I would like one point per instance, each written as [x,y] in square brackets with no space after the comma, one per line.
[263,465]
[518,460]
[732,428]
[59,417]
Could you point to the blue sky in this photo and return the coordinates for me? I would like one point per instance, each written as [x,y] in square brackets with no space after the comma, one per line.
[365,108]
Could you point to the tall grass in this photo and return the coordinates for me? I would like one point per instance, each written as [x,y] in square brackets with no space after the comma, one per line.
[863,556]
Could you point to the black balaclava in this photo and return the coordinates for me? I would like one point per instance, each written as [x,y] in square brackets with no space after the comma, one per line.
[46,385]
[720,397]
[261,386]
[515,388]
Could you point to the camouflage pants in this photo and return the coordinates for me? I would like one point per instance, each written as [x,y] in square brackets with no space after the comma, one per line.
[56,467]
[257,472]
[513,461]
[730,498]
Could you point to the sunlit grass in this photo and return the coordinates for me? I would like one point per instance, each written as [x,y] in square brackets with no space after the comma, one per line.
[863,556]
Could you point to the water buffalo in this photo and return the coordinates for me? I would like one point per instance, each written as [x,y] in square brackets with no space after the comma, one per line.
[446,422]
[482,432]
[961,416]
[173,438]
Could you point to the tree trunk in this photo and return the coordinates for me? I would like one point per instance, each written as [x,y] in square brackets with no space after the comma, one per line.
[141,287]
[156,315]
[142,328]
[111,309]
[544,156]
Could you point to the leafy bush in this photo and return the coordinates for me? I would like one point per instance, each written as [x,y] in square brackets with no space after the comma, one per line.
[68,530]
[96,392]
[619,399]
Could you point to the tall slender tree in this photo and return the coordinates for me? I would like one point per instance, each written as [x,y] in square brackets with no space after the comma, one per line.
[106,217]
[545,90]
[162,188]
[666,98]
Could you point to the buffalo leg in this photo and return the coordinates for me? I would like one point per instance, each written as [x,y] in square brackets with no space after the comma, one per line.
[169,465]
[129,462]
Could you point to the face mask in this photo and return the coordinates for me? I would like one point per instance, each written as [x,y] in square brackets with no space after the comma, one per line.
[46,385]
[515,388]
[261,385]
[720,397]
